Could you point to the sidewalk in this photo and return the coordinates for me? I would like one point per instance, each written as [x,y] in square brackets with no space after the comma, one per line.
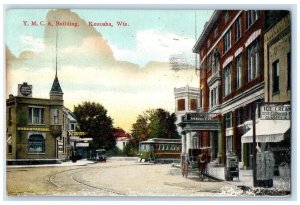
[246,179]
[81,162]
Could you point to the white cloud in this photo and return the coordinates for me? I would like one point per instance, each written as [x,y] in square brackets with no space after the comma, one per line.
[32,44]
[156,46]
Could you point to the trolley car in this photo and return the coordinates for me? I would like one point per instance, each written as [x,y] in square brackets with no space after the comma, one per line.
[160,150]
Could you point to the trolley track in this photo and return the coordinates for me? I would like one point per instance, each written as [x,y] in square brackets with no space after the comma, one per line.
[72,173]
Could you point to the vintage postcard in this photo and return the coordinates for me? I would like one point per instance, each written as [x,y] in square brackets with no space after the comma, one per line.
[145,102]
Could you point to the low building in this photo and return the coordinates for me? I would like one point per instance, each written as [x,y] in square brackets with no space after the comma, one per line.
[37,129]
[122,138]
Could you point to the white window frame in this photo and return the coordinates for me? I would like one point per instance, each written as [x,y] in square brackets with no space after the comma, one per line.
[238,28]
[40,117]
[229,143]
[227,79]
[227,41]
[239,71]
[253,57]
[251,17]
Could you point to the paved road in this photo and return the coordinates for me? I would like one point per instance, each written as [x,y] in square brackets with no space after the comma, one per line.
[117,177]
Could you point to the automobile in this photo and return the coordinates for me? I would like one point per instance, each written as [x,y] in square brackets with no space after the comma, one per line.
[100,155]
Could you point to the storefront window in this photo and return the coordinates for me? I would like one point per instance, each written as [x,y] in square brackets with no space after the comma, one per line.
[36,144]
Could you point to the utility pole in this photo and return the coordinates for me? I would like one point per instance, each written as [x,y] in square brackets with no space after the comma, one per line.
[254,143]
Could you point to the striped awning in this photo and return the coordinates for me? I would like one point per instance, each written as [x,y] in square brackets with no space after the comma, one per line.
[268,131]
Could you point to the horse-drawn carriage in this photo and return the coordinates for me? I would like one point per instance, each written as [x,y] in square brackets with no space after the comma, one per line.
[195,160]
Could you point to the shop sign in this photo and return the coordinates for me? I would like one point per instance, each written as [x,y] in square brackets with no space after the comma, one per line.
[33,129]
[60,147]
[275,112]
[24,90]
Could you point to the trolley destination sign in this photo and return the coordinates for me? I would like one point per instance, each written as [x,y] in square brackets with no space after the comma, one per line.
[276,112]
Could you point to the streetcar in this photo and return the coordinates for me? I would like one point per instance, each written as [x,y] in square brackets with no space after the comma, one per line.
[161,150]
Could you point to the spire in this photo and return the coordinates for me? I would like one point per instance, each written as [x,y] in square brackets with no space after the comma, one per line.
[56,89]
[56,54]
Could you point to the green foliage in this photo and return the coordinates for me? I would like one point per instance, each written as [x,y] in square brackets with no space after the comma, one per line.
[153,123]
[131,148]
[92,118]
[114,152]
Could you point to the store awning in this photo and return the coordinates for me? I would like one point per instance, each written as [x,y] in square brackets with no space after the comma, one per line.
[268,131]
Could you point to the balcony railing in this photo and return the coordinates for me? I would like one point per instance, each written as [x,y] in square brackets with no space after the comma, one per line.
[213,78]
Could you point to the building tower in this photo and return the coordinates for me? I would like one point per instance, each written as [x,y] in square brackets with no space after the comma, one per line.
[56,91]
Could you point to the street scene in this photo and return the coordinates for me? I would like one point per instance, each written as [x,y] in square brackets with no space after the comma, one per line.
[136,179]
[186,103]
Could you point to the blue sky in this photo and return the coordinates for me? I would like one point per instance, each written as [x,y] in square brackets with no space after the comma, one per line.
[178,22]
[126,69]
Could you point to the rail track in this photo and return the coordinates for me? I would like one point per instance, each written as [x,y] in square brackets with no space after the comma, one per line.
[64,179]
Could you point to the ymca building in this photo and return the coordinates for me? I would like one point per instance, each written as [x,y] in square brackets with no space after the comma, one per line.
[37,129]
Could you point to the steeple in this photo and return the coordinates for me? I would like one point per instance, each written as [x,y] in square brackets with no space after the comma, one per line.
[56,91]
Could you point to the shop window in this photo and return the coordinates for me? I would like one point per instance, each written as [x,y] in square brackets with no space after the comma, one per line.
[36,115]
[36,144]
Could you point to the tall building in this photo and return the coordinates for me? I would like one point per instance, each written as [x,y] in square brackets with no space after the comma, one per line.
[244,63]
[273,130]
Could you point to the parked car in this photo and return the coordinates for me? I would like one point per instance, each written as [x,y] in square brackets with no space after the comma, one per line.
[100,155]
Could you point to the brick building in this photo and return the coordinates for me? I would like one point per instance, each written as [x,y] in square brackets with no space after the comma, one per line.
[273,128]
[236,78]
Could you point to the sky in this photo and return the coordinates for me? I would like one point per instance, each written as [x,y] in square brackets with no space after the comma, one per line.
[125,68]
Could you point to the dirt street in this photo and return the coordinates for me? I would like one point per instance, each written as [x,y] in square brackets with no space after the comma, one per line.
[117,177]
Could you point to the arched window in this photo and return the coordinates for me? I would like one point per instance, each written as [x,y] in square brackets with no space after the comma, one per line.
[36,144]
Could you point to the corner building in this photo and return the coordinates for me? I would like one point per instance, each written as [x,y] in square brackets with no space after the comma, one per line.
[231,51]
[37,129]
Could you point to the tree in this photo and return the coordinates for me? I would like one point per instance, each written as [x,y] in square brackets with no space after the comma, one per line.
[92,118]
[154,123]
[162,124]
